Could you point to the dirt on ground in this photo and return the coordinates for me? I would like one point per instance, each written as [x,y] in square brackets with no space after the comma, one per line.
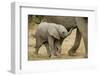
[42,55]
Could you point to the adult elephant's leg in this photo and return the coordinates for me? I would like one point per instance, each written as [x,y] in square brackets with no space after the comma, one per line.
[72,51]
[82,25]
[86,45]
[48,50]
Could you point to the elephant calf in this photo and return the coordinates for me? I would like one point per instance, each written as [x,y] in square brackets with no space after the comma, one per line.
[52,36]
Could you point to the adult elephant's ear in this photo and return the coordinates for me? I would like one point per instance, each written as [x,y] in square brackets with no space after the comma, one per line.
[53,32]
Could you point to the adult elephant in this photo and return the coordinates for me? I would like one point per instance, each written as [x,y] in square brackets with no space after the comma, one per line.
[79,23]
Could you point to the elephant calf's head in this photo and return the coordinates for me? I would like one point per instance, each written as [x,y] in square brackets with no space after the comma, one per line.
[62,31]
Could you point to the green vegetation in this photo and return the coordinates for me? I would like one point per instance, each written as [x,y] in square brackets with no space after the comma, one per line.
[34,19]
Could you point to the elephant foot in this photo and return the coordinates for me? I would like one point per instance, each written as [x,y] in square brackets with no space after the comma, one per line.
[53,56]
[49,55]
[86,56]
[58,53]
[72,53]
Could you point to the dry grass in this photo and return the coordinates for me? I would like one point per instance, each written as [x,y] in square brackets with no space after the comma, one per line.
[67,44]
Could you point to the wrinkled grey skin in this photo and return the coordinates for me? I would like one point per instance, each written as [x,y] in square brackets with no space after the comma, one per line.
[50,35]
[57,47]
[79,23]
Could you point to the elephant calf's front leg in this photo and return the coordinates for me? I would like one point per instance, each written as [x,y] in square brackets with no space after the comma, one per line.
[51,45]
[48,50]
[57,46]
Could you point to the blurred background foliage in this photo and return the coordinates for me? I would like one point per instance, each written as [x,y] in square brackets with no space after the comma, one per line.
[34,19]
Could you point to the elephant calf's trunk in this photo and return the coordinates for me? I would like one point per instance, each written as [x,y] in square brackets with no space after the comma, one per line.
[70,31]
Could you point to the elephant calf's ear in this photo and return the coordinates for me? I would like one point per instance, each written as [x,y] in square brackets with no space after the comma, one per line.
[53,32]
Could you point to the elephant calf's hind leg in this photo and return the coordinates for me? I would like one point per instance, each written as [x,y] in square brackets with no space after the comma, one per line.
[38,45]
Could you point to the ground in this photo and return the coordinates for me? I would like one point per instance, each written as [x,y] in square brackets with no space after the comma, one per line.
[67,44]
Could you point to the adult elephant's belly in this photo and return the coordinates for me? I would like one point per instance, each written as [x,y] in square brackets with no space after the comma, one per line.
[66,21]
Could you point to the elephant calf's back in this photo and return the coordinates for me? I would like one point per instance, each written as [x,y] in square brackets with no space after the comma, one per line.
[41,31]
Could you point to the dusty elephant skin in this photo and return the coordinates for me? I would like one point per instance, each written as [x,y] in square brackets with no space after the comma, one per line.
[80,23]
[52,36]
